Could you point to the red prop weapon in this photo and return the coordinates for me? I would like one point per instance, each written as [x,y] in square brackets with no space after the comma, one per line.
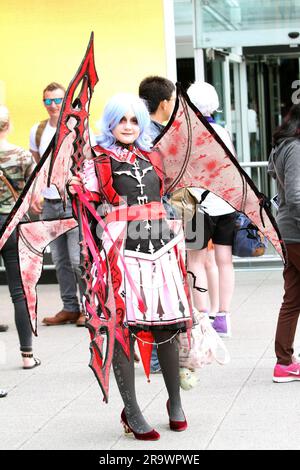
[72,139]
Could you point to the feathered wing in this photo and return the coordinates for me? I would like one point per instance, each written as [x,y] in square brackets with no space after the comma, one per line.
[193,155]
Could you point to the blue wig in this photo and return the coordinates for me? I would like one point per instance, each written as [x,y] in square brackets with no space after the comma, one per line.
[114,110]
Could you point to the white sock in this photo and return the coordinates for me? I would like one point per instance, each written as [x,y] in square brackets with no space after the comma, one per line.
[221,314]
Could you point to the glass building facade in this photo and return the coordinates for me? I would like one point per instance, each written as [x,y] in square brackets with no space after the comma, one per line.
[249,50]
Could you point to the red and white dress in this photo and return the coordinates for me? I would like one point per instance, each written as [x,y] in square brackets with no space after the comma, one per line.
[130,188]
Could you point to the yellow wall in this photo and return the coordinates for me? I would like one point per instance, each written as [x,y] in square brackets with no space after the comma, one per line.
[45,40]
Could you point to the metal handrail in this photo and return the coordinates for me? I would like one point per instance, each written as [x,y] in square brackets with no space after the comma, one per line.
[254,164]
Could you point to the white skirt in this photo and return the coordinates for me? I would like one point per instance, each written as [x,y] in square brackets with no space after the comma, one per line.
[157,277]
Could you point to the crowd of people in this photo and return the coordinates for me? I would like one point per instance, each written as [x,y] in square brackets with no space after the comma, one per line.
[130,124]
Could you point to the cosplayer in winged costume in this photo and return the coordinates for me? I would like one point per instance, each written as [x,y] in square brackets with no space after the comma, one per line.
[132,257]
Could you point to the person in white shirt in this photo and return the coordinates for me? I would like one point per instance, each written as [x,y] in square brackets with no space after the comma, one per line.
[218,227]
[65,249]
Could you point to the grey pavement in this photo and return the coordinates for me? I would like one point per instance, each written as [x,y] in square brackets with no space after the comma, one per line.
[59,404]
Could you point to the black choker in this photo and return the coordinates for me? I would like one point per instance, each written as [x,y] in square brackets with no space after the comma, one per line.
[129,147]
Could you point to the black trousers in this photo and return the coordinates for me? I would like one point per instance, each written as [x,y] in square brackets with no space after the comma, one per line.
[9,254]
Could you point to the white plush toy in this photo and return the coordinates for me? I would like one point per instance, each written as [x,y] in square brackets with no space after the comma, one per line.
[188,378]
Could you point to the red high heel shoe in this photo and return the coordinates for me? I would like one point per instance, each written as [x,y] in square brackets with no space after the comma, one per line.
[142,436]
[176,425]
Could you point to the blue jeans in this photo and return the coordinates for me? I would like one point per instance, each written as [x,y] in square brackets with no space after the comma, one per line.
[65,253]
[10,257]
[154,364]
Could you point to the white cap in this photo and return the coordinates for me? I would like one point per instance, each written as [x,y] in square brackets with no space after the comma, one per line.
[204,97]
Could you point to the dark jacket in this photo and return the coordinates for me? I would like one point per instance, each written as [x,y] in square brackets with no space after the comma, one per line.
[284,166]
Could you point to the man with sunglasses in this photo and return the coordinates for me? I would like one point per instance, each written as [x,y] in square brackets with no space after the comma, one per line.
[65,249]
[42,132]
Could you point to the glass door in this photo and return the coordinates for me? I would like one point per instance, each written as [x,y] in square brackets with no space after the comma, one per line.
[224,73]
[215,76]
[270,88]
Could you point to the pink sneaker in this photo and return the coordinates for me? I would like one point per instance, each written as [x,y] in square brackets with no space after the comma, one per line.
[286,373]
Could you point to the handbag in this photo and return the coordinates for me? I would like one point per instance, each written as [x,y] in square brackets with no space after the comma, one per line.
[205,345]
[184,203]
[248,241]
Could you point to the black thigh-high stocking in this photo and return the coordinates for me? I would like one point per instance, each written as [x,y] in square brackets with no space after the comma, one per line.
[124,374]
[168,355]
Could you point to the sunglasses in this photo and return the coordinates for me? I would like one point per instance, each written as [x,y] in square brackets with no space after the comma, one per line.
[49,101]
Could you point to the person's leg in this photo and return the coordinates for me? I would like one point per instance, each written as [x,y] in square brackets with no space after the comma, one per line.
[290,308]
[60,256]
[222,239]
[65,274]
[223,255]
[10,258]
[212,275]
[124,374]
[222,321]
[196,264]
[74,255]
[168,355]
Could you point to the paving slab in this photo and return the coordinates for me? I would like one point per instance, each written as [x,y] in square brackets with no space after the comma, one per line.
[59,404]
